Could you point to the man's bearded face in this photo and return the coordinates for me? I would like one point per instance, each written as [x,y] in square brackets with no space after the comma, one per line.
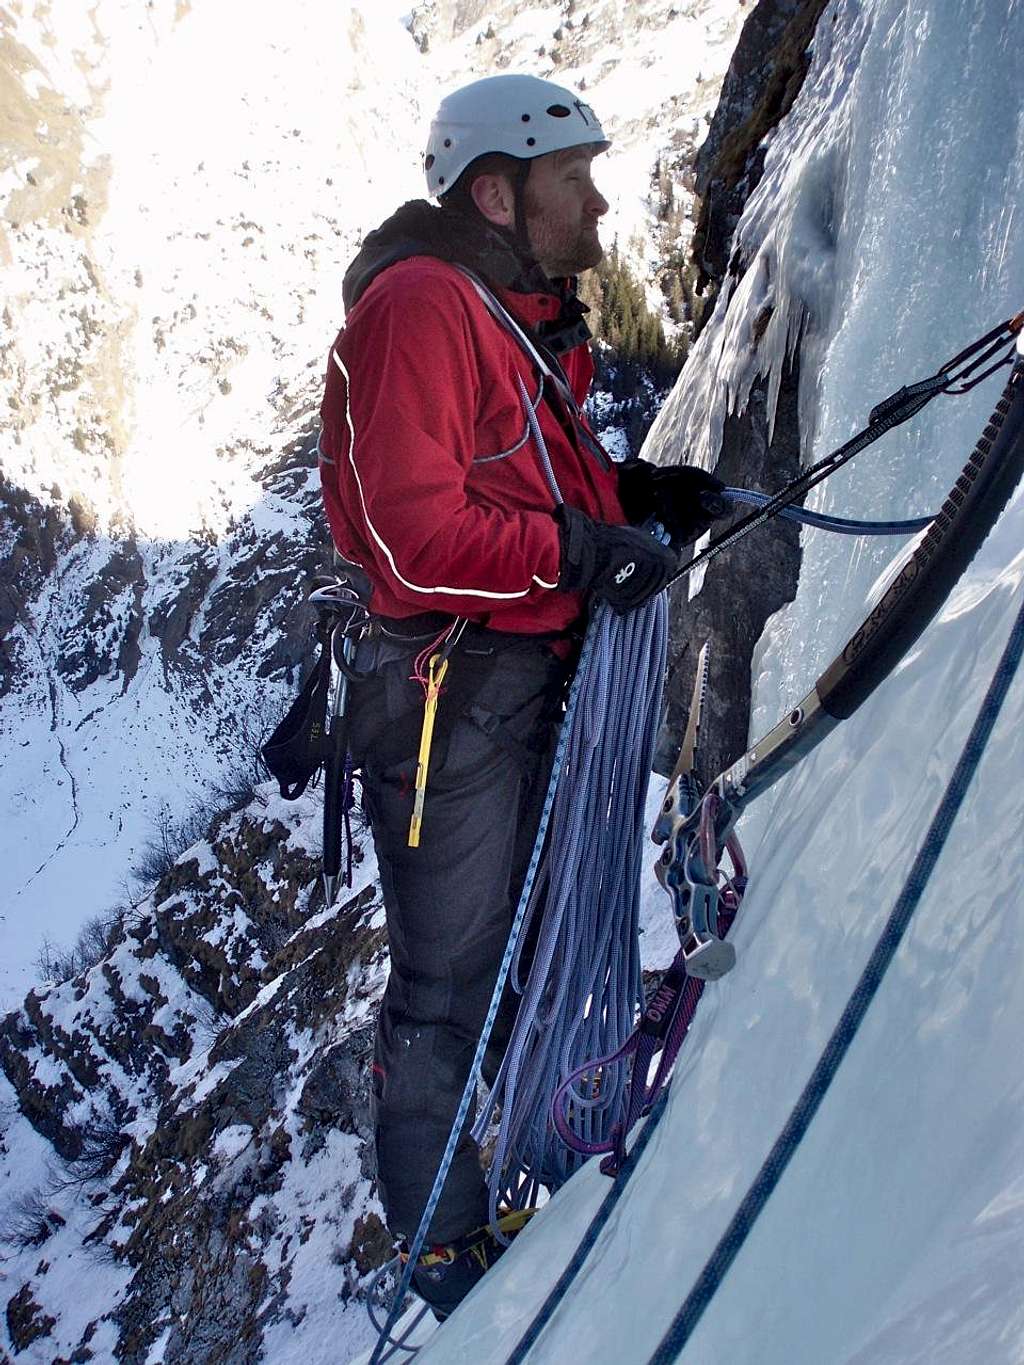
[563,207]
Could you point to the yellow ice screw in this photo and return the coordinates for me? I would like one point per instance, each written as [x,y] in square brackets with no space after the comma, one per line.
[426,736]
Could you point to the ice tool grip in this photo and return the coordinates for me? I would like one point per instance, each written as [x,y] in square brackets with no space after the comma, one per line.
[938,560]
[435,678]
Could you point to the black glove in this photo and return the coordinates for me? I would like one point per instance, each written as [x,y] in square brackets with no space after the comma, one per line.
[620,564]
[685,499]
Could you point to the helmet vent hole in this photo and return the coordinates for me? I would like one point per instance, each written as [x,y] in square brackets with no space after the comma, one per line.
[526,118]
[440,179]
[531,142]
[429,161]
[558,111]
[447,142]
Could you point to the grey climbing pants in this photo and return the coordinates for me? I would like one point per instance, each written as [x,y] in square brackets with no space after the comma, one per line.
[449,902]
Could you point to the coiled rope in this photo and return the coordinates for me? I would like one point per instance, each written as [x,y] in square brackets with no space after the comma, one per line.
[585,984]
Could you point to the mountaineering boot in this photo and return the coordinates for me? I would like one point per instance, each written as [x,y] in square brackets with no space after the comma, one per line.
[444,1275]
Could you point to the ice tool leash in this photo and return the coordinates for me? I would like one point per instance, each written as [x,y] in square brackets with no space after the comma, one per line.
[894,623]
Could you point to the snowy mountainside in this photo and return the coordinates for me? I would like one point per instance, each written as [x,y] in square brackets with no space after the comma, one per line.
[162,373]
[879,241]
[199,1112]
[225,1032]
[174,231]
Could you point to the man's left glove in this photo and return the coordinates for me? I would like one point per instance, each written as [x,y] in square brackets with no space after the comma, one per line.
[684,498]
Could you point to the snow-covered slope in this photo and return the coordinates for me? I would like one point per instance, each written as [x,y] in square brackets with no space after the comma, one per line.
[887,229]
[180,200]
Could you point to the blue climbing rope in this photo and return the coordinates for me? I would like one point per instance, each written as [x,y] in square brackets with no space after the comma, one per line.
[844,526]
[585,982]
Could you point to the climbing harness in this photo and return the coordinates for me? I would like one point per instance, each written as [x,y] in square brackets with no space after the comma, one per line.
[968,513]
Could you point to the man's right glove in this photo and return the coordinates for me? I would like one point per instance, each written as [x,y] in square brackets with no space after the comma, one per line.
[684,498]
[621,564]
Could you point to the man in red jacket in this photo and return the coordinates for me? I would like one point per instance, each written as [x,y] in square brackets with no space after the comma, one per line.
[461,475]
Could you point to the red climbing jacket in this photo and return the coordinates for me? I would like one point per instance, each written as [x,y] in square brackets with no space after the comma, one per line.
[431,477]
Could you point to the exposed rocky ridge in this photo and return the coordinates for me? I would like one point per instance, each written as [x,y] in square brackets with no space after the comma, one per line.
[191,1085]
[29,534]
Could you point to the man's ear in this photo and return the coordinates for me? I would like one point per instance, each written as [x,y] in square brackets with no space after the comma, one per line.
[495,198]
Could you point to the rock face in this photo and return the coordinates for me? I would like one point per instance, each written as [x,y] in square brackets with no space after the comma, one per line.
[744,586]
[763,80]
[760,450]
[29,534]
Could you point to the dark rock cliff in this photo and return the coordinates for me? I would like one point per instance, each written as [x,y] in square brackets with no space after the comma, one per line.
[749,582]
[763,80]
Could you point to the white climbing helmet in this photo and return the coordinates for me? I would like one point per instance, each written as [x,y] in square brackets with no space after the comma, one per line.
[522,116]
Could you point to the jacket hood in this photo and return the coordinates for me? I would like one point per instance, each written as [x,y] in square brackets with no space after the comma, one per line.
[421,229]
